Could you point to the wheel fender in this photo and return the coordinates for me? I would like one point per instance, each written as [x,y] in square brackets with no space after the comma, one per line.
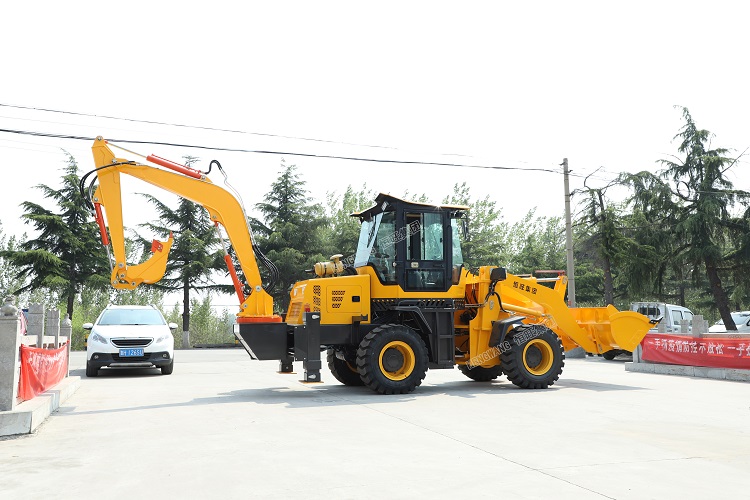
[501,328]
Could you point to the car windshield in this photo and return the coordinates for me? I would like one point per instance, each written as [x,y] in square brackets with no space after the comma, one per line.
[131,317]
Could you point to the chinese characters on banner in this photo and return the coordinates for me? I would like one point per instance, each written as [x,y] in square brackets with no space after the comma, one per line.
[40,370]
[713,352]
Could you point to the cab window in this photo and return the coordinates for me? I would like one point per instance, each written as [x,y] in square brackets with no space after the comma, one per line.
[377,246]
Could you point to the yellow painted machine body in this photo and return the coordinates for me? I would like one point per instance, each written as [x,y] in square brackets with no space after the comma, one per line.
[542,301]
[337,299]
[343,299]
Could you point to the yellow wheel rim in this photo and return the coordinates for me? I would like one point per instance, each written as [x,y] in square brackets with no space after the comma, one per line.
[397,360]
[538,357]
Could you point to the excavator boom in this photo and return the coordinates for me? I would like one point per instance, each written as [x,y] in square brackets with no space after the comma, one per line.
[223,208]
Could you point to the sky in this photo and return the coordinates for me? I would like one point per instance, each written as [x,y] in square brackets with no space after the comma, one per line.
[512,86]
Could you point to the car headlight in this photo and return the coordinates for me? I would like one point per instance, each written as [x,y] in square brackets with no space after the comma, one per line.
[164,337]
[98,338]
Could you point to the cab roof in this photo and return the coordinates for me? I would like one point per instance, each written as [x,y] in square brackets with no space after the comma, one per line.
[382,201]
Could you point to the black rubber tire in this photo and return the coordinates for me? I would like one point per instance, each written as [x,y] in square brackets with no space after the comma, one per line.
[610,355]
[344,371]
[167,369]
[535,359]
[480,373]
[405,364]
[91,371]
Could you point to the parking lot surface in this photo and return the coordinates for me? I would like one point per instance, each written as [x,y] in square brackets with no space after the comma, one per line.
[225,426]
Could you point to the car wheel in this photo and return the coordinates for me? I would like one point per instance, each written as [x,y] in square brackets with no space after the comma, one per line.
[167,369]
[91,371]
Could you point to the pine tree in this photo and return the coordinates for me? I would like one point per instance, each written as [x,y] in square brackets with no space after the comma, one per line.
[289,232]
[65,255]
[700,203]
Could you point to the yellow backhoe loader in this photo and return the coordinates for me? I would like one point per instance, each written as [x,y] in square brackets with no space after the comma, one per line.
[405,303]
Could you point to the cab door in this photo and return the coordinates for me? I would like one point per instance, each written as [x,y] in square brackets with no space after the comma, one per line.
[425,265]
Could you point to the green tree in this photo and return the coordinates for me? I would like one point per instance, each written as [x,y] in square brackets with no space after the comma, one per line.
[341,234]
[486,240]
[654,267]
[289,232]
[603,235]
[65,254]
[536,243]
[8,280]
[701,202]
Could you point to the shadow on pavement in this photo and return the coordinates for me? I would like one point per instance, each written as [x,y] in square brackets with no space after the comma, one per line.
[334,394]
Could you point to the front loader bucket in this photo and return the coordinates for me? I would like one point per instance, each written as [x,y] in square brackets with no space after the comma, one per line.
[613,329]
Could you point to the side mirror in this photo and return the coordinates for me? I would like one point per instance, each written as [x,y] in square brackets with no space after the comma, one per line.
[498,274]
[88,326]
[173,326]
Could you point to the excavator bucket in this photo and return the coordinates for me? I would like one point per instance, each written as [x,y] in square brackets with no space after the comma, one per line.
[612,329]
[150,271]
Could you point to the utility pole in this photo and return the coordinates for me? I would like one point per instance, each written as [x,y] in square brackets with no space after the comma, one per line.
[569,240]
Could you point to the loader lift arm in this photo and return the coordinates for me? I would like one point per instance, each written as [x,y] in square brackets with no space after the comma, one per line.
[223,208]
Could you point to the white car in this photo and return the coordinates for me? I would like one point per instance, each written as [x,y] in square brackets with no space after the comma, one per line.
[741,320]
[670,315]
[129,336]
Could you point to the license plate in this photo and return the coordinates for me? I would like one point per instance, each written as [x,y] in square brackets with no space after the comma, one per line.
[131,353]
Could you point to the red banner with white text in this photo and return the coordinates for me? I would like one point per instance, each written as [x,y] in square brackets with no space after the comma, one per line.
[713,352]
[41,369]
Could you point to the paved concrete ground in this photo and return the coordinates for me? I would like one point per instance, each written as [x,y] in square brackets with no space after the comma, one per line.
[224,426]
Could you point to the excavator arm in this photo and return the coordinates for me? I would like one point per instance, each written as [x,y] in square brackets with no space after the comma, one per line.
[223,208]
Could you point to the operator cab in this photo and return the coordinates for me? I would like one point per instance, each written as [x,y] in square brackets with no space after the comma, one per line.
[413,245]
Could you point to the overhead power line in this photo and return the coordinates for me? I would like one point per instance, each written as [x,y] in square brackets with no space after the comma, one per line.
[283,153]
[197,127]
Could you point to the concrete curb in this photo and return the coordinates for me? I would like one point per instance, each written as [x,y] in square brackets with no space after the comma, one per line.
[29,415]
[690,371]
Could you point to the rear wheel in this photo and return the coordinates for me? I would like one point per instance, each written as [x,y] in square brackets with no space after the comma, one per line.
[535,359]
[344,370]
[480,373]
[392,359]
[91,371]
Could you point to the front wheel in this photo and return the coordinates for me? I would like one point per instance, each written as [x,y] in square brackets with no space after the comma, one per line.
[535,359]
[91,371]
[392,359]
[167,369]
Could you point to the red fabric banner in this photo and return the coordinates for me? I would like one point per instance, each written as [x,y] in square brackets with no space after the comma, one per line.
[41,369]
[712,352]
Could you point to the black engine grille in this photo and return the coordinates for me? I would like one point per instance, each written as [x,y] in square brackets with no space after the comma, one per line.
[132,342]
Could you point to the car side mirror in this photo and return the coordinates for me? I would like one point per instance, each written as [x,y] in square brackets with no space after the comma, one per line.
[88,326]
[172,326]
